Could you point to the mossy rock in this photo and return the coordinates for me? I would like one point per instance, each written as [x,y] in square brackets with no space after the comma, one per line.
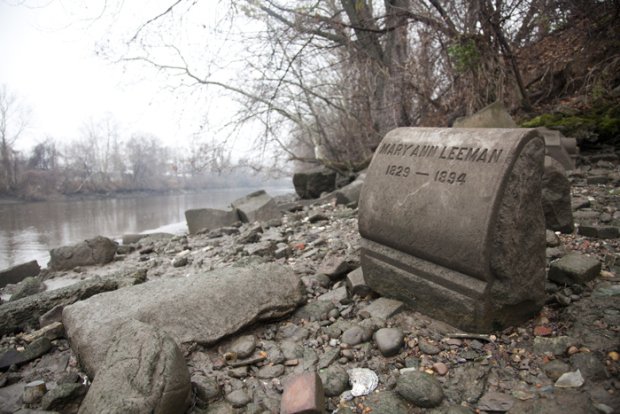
[601,123]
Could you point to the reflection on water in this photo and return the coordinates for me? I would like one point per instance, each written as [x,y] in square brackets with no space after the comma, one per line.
[28,231]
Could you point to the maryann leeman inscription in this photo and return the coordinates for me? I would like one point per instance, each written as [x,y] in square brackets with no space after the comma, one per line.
[452,223]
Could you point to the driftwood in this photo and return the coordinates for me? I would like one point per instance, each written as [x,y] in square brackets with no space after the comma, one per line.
[24,313]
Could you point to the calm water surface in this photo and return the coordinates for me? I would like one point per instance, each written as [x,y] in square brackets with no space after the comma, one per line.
[28,231]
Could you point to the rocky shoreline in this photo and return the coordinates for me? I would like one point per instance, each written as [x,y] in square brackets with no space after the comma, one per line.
[564,360]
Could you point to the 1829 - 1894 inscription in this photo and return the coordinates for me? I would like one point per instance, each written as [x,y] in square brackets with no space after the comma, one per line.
[451,222]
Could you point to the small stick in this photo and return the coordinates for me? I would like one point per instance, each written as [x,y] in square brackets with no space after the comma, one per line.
[481,337]
[251,361]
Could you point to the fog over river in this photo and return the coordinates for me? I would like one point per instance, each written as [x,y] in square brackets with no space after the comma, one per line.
[29,230]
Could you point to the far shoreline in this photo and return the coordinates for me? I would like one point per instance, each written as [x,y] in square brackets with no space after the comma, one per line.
[13,199]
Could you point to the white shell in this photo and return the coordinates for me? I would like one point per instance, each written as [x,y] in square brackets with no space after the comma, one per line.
[363,380]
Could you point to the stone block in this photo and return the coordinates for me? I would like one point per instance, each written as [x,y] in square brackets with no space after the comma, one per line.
[574,268]
[452,224]
[257,206]
[560,148]
[19,272]
[209,219]
[599,232]
[356,283]
[338,295]
[383,308]
[494,115]
[556,198]
[303,394]
[334,266]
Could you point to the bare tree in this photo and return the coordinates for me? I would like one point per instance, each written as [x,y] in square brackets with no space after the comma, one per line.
[324,80]
[147,162]
[13,122]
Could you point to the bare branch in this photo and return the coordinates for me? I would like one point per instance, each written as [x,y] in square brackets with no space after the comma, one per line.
[153,19]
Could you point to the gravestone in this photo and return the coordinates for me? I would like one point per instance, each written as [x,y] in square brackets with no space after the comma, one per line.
[452,224]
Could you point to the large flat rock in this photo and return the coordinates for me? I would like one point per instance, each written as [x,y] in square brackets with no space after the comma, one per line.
[202,308]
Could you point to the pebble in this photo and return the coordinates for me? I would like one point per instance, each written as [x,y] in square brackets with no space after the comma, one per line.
[428,348]
[440,368]
[495,402]
[244,346]
[420,388]
[207,388]
[240,372]
[589,365]
[389,341]
[180,261]
[570,380]
[270,371]
[385,402]
[238,398]
[335,380]
[353,336]
[554,369]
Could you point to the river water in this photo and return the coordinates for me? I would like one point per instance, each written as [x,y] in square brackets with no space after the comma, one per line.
[29,230]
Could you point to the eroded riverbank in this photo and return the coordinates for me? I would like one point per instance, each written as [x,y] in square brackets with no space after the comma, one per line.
[343,325]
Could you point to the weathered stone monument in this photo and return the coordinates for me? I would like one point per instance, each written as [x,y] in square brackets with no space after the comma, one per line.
[452,224]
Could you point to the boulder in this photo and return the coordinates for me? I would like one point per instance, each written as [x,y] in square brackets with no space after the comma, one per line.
[209,219]
[96,251]
[491,116]
[556,198]
[257,206]
[65,398]
[203,308]
[27,287]
[350,193]
[19,272]
[143,372]
[310,184]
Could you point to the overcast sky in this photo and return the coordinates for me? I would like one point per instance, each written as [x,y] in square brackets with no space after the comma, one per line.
[48,59]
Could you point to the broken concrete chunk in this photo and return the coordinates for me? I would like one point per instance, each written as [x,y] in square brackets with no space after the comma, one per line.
[574,268]
[257,206]
[203,219]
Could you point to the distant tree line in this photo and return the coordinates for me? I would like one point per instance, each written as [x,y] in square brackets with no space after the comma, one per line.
[101,160]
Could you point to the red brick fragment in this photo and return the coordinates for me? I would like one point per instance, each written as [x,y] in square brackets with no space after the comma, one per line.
[303,394]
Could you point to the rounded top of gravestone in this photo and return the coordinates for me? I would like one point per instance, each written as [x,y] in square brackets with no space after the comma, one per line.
[434,192]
